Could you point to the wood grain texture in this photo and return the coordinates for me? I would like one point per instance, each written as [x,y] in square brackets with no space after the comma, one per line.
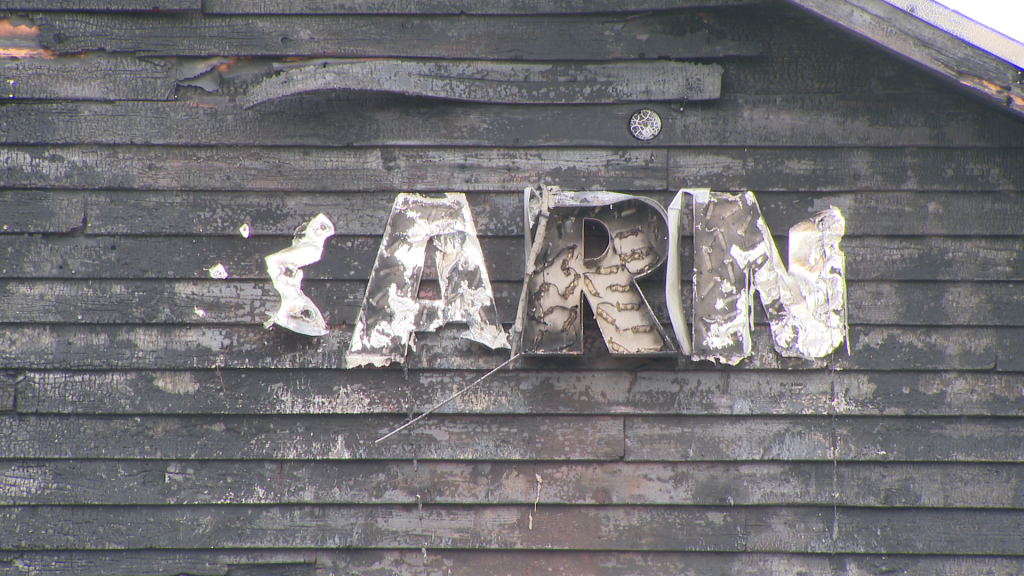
[204,562]
[334,438]
[820,438]
[94,76]
[101,5]
[31,211]
[876,213]
[454,6]
[808,120]
[329,170]
[584,37]
[155,482]
[739,392]
[106,347]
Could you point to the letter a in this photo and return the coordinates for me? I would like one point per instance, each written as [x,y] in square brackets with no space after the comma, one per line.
[392,313]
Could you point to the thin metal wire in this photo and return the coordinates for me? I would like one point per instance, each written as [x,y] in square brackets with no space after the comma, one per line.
[447,400]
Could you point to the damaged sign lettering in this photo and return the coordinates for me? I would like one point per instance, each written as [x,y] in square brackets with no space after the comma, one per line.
[297,312]
[392,311]
[734,254]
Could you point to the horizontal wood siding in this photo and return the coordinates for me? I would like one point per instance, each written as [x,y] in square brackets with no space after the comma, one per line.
[150,425]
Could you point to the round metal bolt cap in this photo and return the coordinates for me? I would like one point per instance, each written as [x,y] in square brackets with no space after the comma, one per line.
[645,124]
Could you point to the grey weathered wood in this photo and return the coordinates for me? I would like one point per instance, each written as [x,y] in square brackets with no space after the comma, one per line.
[8,390]
[940,52]
[739,392]
[454,6]
[585,37]
[304,438]
[817,120]
[268,213]
[352,257]
[88,347]
[249,301]
[95,76]
[38,211]
[500,82]
[811,438]
[328,170]
[154,482]
[982,532]
[204,562]
[101,5]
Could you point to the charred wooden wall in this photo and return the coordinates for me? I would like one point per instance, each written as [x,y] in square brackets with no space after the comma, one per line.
[149,424]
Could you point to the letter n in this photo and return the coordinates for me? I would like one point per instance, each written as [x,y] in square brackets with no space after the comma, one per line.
[391,312]
[734,254]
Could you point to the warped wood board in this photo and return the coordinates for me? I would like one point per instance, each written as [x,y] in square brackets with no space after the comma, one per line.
[180,482]
[87,77]
[499,82]
[326,170]
[947,439]
[701,392]
[332,562]
[102,5]
[877,213]
[585,37]
[334,119]
[454,6]
[233,302]
[315,438]
[352,257]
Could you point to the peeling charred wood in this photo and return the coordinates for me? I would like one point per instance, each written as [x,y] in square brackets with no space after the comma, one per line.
[248,302]
[70,347]
[737,392]
[324,170]
[34,211]
[879,213]
[951,439]
[155,482]
[352,257]
[500,82]
[305,438]
[815,120]
[586,37]
[88,77]
[454,6]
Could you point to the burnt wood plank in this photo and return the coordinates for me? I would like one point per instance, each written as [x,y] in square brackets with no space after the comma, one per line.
[205,562]
[305,438]
[329,170]
[102,5]
[527,392]
[267,213]
[249,302]
[91,76]
[817,120]
[157,482]
[552,37]
[499,82]
[352,257]
[474,7]
[38,211]
[106,347]
[650,438]
[553,527]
